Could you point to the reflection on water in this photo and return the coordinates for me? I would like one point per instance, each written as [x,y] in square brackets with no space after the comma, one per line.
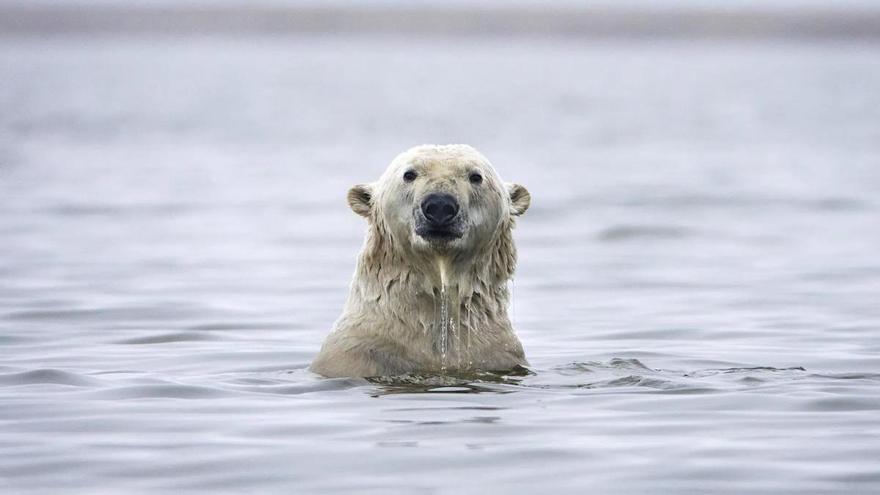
[697,292]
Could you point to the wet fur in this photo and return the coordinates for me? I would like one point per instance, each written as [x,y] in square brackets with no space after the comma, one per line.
[388,326]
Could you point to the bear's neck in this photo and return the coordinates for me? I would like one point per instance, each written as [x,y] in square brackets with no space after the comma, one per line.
[407,290]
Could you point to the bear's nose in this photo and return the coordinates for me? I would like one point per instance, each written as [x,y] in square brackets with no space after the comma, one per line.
[440,209]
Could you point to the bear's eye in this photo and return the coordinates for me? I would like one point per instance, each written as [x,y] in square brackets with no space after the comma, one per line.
[475,178]
[410,176]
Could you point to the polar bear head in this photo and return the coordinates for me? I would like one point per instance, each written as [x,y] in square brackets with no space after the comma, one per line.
[446,200]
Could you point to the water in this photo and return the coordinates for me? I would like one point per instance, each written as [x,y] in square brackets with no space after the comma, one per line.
[443,326]
[447,320]
[697,290]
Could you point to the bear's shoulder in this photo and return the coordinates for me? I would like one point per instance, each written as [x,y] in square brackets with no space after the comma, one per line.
[362,355]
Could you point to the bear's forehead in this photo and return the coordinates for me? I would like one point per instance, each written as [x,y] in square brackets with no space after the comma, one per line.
[442,157]
[440,164]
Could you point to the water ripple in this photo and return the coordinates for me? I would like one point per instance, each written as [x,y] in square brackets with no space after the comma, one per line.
[169,337]
[48,376]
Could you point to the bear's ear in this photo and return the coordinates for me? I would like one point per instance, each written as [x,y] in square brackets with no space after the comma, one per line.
[360,199]
[520,199]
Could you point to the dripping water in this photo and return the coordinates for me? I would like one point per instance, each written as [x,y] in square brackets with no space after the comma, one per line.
[466,334]
[454,305]
[444,326]
[448,318]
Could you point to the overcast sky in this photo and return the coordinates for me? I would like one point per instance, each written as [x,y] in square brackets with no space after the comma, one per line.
[702,4]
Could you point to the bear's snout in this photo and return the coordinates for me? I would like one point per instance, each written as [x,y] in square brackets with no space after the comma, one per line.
[440,209]
[439,221]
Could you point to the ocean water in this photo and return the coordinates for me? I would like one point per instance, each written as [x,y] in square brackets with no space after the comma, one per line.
[698,289]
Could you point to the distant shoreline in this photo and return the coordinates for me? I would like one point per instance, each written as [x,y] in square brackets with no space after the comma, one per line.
[435,20]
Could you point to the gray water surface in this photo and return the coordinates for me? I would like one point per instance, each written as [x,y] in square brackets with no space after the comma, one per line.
[698,290]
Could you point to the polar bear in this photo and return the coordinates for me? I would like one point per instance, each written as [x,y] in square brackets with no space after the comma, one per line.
[430,294]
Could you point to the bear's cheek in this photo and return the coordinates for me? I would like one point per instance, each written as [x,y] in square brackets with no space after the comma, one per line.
[395,204]
[483,220]
[399,217]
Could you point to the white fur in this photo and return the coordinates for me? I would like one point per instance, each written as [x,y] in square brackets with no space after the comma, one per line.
[389,325]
